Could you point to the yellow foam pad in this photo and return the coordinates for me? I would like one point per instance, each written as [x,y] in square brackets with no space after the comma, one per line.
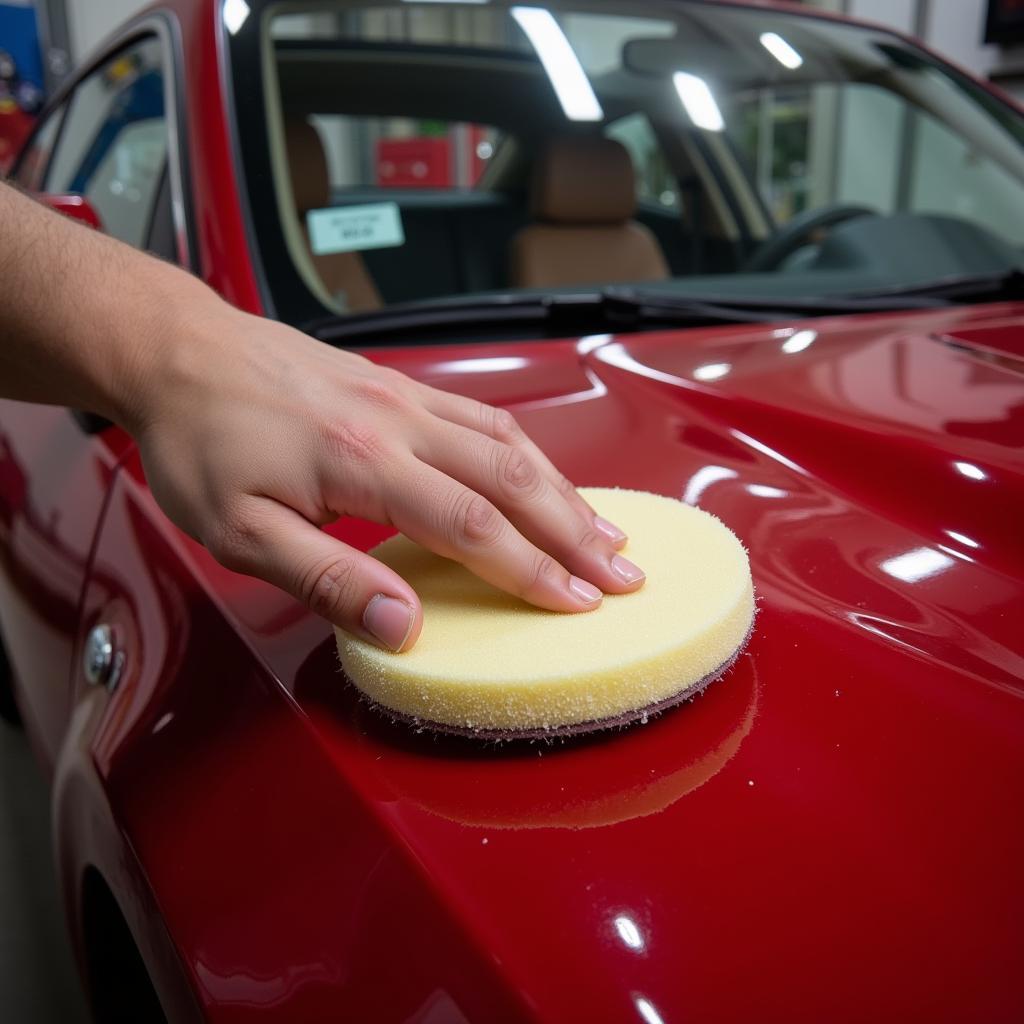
[489,662]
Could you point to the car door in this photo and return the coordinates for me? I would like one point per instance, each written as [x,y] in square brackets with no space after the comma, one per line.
[106,138]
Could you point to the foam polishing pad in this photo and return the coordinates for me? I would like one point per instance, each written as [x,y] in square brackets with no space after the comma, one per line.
[487,664]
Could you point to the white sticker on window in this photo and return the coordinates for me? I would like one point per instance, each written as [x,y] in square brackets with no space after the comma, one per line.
[351,228]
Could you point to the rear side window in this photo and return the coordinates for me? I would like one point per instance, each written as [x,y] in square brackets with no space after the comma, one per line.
[113,146]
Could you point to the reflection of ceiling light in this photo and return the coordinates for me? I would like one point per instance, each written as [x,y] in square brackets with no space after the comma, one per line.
[916,565]
[765,450]
[163,721]
[628,932]
[589,342]
[781,50]
[703,479]
[490,364]
[698,101]
[970,470]
[764,491]
[799,341]
[235,12]
[647,1011]
[712,371]
[962,538]
[568,79]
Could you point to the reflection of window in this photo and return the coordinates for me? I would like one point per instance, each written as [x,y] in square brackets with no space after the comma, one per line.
[655,182]
[113,146]
[807,147]
[402,152]
[771,129]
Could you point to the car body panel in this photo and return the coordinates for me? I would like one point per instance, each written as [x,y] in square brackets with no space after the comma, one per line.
[833,821]
[53,481]
[831,832]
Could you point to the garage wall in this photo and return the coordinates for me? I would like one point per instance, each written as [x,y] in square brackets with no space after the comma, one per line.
[91,21]
[953,27]
[899,14]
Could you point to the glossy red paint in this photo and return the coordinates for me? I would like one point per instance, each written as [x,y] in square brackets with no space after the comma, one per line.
[77,207]
[53,484]
[833,823]
[830,833]
[223,251]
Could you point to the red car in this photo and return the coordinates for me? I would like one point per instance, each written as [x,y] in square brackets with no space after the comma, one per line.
[753,257]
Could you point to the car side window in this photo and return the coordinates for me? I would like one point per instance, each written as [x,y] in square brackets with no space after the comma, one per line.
[113,147]
[33,161]
[805,148]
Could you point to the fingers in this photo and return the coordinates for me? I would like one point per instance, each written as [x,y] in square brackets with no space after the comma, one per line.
[501,425]
[510,479]
[453,521]
[347,587]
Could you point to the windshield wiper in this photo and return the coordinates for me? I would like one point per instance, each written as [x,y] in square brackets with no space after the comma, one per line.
[1003,287]
[553,315]
[1007,287]
[621,310]
[606,311]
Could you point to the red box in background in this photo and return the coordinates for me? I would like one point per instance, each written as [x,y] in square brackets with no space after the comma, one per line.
[414,163]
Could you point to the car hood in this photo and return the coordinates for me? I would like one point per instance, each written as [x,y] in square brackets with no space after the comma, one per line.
[833,827]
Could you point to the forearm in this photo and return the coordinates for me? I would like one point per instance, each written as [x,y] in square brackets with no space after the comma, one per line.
[84,317]
[253,435]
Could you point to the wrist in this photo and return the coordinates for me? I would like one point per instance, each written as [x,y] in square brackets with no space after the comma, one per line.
[162,346]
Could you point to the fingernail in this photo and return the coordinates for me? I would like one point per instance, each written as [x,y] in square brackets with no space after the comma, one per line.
[626,570]
[583,590]
[389,620]
[610,530]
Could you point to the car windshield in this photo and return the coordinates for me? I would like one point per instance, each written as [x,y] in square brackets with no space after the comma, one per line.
[397,155]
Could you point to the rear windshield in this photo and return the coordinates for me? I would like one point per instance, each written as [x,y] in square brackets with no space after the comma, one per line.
[404,154]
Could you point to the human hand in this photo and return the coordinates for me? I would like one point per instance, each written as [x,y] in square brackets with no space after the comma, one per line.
[254,436]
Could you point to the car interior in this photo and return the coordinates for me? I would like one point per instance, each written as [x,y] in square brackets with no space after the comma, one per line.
[582,203]
[340,273]
[553,208]
[637,197]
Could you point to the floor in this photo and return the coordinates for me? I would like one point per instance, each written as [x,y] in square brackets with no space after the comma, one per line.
[38,981]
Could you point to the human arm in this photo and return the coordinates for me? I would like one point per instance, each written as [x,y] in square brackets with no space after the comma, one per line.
[254,436]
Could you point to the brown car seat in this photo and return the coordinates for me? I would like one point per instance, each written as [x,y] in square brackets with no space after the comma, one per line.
[583,196]
[343,274]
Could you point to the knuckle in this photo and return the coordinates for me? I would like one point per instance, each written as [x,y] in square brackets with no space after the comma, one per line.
[382,393]
[225,552]
[232,538]
[517,471]
[504,426]
[476,521]
[328,588]
[590,539]
[354,442]
[545,571]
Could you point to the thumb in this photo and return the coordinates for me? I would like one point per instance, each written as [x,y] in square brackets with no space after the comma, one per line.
[347,587]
